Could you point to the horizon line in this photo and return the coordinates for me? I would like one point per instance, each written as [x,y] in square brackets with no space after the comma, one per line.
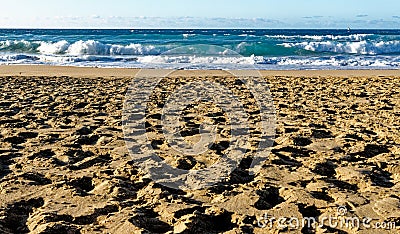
[188,28]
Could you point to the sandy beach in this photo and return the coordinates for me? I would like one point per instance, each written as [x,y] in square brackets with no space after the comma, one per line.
[65,168]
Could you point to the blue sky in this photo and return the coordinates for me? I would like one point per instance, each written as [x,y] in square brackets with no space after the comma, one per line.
[200,14]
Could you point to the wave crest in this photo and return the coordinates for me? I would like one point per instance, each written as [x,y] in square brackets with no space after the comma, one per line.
[361,47]
[89,47]
[351,37]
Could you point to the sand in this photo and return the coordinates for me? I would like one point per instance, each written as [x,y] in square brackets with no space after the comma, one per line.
[64,166]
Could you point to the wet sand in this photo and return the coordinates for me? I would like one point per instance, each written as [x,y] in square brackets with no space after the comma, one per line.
[64,166]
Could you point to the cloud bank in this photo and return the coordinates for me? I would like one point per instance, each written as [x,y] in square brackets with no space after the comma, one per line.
[96,21]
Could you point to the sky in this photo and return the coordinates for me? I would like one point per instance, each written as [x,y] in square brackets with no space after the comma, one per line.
[200,14]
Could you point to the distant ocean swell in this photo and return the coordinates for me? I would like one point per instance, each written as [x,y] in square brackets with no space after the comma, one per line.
[281,49]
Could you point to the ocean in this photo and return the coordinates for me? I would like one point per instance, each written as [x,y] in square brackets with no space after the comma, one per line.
[246,48]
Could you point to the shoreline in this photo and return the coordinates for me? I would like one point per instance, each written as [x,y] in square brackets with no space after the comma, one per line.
[72,71]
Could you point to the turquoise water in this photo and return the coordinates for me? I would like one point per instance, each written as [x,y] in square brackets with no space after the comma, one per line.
[264,49]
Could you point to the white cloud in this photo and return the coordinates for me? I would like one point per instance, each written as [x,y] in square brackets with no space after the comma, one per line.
[96,21]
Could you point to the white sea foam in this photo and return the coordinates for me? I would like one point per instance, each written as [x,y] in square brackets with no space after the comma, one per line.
[53,48]
[336,62]
[361,47]
[96,48]
[89,47]
[17,44]
[351,37]
[187,35]
[201,59]
[209,62]
[376,54]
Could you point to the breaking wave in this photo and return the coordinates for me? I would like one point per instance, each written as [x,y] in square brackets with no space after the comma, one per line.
[89,47]
[361,47]
[267,49]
